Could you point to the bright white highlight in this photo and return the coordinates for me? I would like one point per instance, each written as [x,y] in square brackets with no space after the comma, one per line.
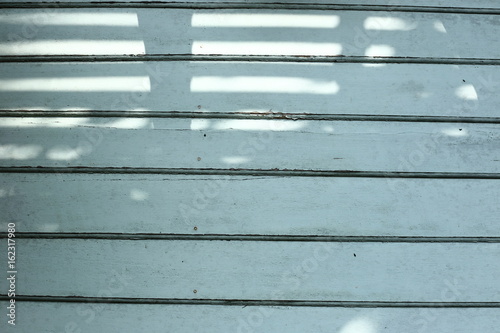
[439,26]
[97,47]
[262,84]
[467,92]
[380,51]
[66,153]
[388,23]
[265,20]
[359,325]
[257,125]
[19,152]
[456,132]
[80,84]
[138,195]
[72,19]
[235,159]
[267,48]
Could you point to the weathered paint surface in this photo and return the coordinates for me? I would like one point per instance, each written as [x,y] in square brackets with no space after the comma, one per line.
[252,205]
[183,216]
[253,144]
[261,270]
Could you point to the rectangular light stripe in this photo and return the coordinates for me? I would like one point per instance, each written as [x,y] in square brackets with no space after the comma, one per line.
[265,20]
[263,84]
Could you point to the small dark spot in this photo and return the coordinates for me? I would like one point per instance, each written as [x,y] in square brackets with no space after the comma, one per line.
[459,129]
[204,135]
[199,106]
[354,254]
[463,80]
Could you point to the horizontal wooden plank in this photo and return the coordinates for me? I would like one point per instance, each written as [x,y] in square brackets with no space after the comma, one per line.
[389,4]
[250,144]
[238,205]
[207,87]
[259,270]
[420,6]
[153,318]
[249,32]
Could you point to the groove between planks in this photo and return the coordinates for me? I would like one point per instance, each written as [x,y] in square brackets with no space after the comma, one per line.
[253,238]
[246,115]
[236,5]
[255,58]
[242,302]
[250,172]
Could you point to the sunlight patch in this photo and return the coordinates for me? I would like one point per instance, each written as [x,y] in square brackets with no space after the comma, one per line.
[388,23]
[266,48]
[380,51]
[456,132]
[19,152]
[94,47]
[359,325]
[235,159]
[263,84]
[72,19]
[439,26]
[138,195]
[265,20]
[467,92]
[258,125]
[79,84]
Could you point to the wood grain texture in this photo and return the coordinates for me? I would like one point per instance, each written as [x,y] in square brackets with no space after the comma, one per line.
[206,87]
[259,270]
[250,205]
[251,144]
[248,32]
[154,318]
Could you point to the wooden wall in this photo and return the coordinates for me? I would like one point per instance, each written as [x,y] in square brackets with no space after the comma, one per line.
[248,166]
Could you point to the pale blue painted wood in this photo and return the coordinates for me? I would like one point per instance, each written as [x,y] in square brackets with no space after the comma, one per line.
[343,271]
[259,270]
[393,89]
[250,205]
[253,144]
[348,33]
[119,318]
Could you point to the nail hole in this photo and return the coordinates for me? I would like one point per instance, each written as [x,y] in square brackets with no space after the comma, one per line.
[199,158]
[195,291]
[195,228]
